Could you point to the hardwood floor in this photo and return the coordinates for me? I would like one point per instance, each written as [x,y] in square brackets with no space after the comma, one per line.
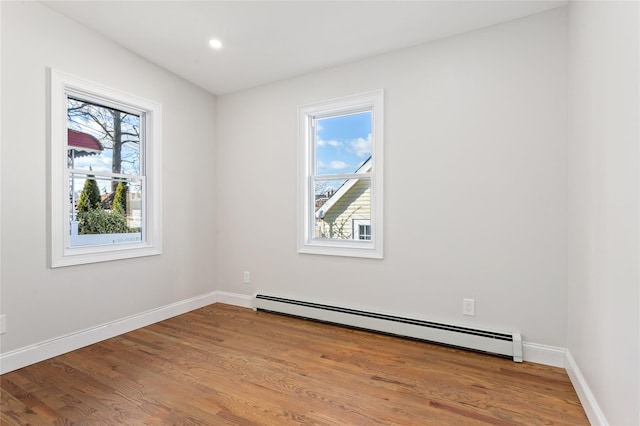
[227,365]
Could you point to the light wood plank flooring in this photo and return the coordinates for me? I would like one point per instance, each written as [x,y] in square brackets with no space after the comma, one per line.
[224,365]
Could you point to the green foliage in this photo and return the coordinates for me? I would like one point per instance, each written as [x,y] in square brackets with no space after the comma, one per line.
[93,219]
[90,196]
[99,221]
[120,198]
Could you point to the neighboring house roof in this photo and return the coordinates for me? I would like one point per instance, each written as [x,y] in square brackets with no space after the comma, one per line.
[82,143]
[106,200]
[322,211]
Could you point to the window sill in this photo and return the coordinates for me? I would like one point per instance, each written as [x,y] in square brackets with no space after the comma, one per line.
[346,249]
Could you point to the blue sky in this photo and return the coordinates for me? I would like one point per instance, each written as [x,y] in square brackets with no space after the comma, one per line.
[343,143]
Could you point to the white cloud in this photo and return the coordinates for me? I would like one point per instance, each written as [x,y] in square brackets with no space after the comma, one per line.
[331,143]
[338,165]
[98,163]
[334,165]
[361,147]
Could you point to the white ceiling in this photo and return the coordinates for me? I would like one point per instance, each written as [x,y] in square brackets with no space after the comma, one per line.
[266,41]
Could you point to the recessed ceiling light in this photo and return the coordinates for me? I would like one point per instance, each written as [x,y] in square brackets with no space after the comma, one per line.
[215,43]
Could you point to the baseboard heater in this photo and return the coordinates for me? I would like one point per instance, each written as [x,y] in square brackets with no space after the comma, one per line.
[504,344]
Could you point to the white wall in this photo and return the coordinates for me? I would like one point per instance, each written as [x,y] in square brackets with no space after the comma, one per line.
[1,313]
[43,303]
[475,191]
[604,184]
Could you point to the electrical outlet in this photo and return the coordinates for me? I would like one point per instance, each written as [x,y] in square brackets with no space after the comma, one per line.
[3,324]
[469,307]
[246,278]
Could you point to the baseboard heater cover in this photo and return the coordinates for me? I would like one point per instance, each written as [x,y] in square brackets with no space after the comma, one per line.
[507,344]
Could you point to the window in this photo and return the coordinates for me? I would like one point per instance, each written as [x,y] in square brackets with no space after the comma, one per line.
[362,229]
[105,173]
[340,177]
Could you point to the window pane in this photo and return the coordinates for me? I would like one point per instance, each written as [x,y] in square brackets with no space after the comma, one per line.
[343,143]
[338,203]
[99,216]
[364,232]
[325,188]
[102,139]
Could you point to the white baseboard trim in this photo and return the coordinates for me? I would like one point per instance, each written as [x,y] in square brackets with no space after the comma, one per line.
[31,354]
[241,300]
[587,399]
[543,354]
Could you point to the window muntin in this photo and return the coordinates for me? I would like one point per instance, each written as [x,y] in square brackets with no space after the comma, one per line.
[110,142]
[341,176]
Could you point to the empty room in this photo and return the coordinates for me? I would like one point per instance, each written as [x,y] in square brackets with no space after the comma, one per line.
[320,212]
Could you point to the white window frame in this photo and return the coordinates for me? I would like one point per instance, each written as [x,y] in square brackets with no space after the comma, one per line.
[307,242]
[62,86]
